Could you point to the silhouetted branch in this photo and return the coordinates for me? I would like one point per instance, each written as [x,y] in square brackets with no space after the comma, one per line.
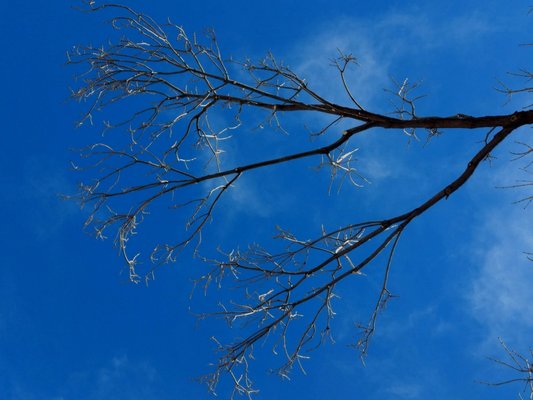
[520,366]
[181,99]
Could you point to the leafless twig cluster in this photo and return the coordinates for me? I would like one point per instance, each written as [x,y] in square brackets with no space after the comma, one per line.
[172,143]
[521,366]
[181,100]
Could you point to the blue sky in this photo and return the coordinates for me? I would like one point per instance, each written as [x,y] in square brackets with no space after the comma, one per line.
[73,327]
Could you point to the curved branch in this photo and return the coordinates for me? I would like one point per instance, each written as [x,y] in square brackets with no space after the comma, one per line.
[174,83]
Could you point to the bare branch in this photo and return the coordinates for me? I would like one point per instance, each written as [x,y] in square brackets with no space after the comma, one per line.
[180,101]
[521,367]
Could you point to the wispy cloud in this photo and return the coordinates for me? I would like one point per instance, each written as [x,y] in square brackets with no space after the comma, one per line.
[500,295]
[365,82]
[247,197]
[38,187]
[404,390]
[382,45]
[119,378]
[430,31]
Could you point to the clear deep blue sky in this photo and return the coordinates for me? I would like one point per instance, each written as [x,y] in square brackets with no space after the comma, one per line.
[73,327]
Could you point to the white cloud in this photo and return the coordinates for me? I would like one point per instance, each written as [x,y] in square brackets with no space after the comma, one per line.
[500,295]
[431,31]
[428,316]
[119,378]
[382,45]
[39,188]
[365,81]
[246,196]
[404,390]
